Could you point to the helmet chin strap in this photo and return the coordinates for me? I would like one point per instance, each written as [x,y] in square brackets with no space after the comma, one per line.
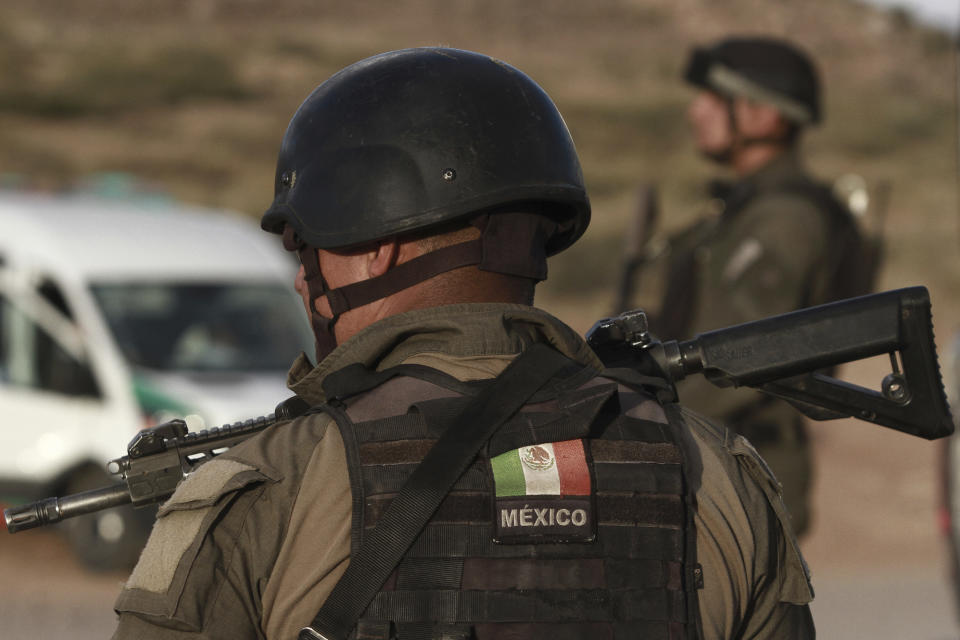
[737,140]
[358,294]
[509,243]
[725,155]
[323,328]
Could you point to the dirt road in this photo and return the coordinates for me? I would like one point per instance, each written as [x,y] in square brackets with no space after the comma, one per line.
[878,557]
[879,563]
[44,593]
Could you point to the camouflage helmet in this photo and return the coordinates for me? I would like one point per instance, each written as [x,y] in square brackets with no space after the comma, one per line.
[767,70]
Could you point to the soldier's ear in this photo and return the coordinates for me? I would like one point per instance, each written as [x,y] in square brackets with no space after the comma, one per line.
[758,119]
[769,119]
[382,257]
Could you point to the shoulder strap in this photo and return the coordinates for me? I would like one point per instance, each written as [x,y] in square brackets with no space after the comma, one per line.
[854,257]
[356,378]
[801,186]
[839,216]
[430,482]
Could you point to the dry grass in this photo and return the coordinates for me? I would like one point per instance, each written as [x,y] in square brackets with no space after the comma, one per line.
[194,96]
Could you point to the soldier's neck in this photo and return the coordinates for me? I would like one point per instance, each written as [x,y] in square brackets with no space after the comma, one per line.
[750,158]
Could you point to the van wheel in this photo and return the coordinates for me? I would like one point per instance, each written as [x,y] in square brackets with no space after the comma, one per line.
[108,540]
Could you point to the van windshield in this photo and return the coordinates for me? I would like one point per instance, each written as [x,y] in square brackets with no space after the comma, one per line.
[206,327]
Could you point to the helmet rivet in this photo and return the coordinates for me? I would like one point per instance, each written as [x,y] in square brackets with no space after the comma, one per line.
[449,175]
[287,178]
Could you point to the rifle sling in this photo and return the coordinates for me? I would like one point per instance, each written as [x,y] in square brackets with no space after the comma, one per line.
[430,482]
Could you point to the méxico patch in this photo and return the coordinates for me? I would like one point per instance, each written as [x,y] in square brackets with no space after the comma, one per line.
[543,493]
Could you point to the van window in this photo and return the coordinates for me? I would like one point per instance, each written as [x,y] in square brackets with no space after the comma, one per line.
[206,327]
[50,292]
[31,358]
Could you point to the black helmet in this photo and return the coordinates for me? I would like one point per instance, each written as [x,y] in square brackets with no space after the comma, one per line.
[763,69]
[421,138]
[414,138]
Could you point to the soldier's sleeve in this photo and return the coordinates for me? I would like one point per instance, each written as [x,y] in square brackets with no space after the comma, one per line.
[216,540]
[755,581]
[190,581]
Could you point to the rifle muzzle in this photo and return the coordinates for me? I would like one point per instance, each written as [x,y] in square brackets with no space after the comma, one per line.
[50,510]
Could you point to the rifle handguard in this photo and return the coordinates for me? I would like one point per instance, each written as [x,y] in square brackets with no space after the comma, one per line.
[157,460]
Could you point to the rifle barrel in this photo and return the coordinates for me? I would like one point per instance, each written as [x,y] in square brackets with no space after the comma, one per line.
[50,510]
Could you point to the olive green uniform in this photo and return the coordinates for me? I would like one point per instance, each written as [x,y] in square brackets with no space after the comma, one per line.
[771,256]
[251,545]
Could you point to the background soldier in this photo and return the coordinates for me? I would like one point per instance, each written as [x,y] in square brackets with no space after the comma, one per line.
[423,191]
[778,240]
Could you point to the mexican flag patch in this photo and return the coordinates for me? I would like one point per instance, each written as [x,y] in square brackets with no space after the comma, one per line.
[543,494]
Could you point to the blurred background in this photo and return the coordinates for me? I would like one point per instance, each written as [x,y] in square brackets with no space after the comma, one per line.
[181,105]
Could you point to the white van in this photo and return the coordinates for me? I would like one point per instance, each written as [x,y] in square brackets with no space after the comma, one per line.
[115,315]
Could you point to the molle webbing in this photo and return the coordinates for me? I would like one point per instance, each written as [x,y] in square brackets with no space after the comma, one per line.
[456,582]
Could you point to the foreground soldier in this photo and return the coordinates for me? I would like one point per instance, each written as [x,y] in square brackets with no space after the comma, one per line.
[423,190]
[779,242]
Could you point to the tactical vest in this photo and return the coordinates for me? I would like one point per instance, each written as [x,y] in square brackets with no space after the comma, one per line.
[575,522]
[853,260]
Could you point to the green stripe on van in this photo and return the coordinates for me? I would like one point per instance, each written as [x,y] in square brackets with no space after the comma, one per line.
[152,400]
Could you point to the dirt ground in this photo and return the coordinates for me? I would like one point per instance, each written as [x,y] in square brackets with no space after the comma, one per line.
[876,494]
[44,593]
[877,549]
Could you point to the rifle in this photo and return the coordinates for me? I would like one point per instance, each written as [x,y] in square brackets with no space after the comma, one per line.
[157,460]
[636,246]
[788,356]
[783,355]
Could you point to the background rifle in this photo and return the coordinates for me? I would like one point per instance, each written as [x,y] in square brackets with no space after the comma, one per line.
[635,248]
[782,355]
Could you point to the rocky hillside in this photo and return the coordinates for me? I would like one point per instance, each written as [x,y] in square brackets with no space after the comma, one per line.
[192,97]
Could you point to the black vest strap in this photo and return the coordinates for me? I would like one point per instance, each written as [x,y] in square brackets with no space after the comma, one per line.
[407,514]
